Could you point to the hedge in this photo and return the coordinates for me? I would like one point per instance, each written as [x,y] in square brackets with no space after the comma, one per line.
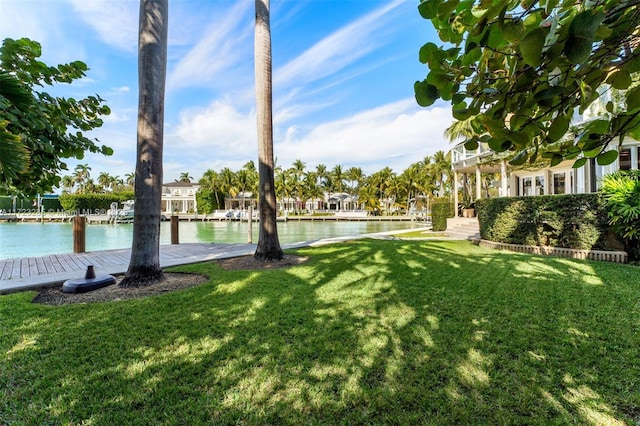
[577,221]
[440,211]
[93,202]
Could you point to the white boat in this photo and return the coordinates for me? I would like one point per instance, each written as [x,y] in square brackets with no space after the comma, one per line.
[123,215]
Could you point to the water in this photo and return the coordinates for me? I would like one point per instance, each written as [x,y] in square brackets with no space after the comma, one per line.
[28,239]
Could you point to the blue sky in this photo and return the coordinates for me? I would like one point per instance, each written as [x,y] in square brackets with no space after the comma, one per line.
[343,73]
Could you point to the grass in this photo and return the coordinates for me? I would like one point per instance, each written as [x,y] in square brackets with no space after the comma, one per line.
[420,234]
[366,332]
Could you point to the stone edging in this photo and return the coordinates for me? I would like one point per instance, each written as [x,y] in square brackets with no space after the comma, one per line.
[603,255]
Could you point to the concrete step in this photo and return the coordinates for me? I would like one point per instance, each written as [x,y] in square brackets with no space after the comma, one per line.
[454,235]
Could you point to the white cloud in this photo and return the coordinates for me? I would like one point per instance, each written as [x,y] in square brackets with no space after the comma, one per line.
[218,131]
[121,89]
[224,45]
[338,50]
[115,22]
[44,22]
[393,135]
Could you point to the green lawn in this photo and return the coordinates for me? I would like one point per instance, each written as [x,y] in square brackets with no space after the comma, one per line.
[367,332]
[420,234]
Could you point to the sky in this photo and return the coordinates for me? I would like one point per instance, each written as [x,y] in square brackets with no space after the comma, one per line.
[343,75]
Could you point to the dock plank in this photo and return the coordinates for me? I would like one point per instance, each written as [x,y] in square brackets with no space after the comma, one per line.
[73,262]
[24,268]
[5,270]
[64,262]
[16,270]
[56,264]
[32,267]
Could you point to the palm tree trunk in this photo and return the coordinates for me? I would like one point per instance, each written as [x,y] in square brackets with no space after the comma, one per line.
[268,242]
[144,266]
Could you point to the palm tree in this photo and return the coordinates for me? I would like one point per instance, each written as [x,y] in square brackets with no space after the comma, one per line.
[81,175]
[329,187]
[368,195]
[268,243]
[130,179]
[105,180]
[67,184]
[338,181]
[312,191]
[228,182]
[185,177]
[144,266]
[283,185]
[211,181]
[442,170]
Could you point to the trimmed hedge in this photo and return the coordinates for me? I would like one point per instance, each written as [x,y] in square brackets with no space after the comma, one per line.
[93,202]
[577,221]
[440,211]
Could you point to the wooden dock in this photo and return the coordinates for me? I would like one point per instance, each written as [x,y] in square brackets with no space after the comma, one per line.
[48,271]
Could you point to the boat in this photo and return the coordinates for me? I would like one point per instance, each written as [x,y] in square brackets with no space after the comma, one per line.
[123,215]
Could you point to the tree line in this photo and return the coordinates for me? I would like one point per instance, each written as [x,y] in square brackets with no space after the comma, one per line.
[380,192]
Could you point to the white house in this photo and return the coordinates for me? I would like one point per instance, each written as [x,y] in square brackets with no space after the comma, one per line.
[528,180]
[179,197]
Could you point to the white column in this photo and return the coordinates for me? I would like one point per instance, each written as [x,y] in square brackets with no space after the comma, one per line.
[478,183]
[455,193]
[503,178]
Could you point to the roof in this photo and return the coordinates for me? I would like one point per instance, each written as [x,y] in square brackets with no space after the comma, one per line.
[180,184]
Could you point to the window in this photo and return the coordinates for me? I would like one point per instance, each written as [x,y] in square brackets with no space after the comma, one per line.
[539,185]
[625,159]
[559,183]
[526,186]
[638,158]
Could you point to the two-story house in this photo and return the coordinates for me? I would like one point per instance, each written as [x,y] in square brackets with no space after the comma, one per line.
[541,180]
[179,198]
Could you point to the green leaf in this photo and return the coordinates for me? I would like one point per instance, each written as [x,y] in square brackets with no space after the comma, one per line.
[426,94]
[439,79]
[579,163]
[582,32]
[520,139]
[633,99]
[592,153]
[519,159]
[426,52]
[499,144]
[556,159]
[607,157]
[471,144]
[558,128]
[512,32]
[445,8]
[620,79]
[428,9]
[460,111]
[531,46]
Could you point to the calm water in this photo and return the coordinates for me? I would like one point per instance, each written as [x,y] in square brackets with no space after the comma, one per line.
[19,239]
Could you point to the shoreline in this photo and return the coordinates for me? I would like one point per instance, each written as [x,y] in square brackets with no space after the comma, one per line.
[103,218]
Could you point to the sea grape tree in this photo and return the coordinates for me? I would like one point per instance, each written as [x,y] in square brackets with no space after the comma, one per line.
[518,71]
[39,131]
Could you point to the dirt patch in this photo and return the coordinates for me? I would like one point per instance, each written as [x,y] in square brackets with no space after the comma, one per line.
[172,281]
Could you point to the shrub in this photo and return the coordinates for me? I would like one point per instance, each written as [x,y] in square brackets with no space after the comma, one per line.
[576,221]
[440,211]
[621,195]
[92,202]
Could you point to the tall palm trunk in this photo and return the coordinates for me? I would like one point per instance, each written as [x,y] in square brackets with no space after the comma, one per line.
[144,266]
[268,243]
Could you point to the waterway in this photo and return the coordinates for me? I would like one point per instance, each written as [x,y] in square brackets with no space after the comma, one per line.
[28,239]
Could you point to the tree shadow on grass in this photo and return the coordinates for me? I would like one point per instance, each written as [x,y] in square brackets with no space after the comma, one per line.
[392,332]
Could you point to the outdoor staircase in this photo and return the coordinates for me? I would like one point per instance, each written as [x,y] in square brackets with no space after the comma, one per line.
[463,228]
